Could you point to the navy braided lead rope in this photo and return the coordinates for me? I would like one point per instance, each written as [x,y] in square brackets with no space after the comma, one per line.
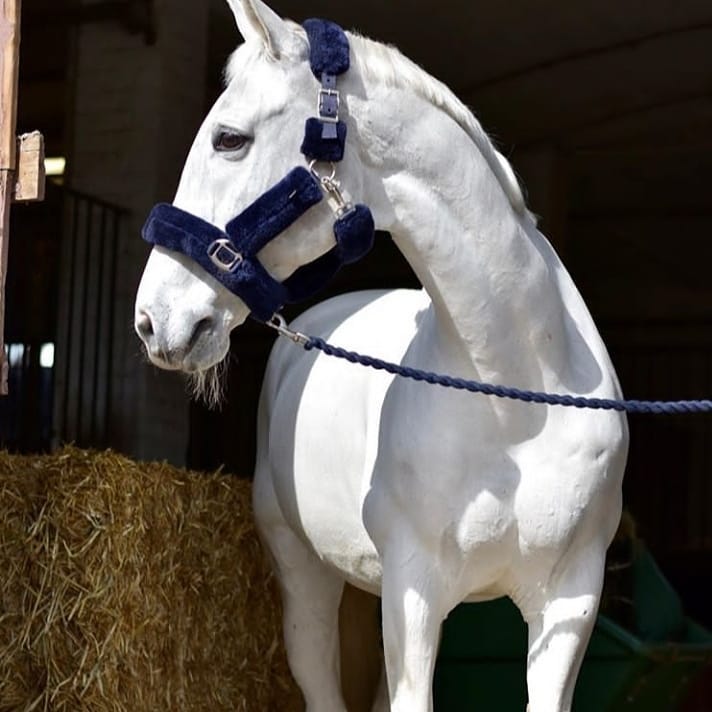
[311,343]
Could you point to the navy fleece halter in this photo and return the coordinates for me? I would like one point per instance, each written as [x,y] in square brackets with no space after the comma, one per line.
[230,255]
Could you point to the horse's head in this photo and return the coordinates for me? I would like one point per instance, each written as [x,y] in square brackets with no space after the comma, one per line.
[248,142]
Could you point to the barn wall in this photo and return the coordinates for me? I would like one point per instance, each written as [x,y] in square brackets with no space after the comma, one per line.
[135,111]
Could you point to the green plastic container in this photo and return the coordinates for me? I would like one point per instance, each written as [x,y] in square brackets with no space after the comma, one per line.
[482,661]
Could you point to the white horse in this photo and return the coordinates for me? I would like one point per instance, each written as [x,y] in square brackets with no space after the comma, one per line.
[425,496]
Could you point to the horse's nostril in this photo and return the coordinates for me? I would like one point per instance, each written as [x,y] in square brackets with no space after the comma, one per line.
[144,325]
[202,327]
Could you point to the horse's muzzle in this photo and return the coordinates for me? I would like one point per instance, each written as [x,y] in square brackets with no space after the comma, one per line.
[185,351]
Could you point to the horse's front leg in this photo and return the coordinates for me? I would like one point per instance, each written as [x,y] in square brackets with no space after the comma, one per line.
[560,628]
[311,594]
[414,603]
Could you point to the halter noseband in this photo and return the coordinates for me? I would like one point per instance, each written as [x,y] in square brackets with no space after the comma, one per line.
[230,255]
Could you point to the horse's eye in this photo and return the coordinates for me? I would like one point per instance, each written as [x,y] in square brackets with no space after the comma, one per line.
[225,140]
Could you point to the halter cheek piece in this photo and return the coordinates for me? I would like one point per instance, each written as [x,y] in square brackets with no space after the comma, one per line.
[230,255]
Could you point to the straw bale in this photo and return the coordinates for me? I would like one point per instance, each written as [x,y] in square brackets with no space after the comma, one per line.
[139,587]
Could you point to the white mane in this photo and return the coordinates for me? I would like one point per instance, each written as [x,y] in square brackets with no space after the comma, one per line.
[384,63]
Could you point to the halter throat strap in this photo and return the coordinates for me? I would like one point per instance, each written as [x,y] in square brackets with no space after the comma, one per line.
[230,255]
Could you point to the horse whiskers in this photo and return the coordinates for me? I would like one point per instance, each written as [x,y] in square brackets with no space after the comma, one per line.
[209,386]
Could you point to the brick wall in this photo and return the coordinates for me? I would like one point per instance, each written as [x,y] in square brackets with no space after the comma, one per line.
[135,111]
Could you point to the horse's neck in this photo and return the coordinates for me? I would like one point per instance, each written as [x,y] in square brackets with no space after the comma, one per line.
[489,274]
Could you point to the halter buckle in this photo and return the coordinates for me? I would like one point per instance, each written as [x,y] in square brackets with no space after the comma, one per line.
[328,105]
[224,256]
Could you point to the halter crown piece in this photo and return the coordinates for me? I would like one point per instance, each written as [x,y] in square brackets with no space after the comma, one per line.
[230,255]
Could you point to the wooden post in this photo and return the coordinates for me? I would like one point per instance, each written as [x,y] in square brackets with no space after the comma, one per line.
[30,168]
[9,64]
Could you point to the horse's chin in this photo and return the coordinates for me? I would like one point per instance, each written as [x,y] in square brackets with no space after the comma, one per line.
[204,366]
[190,364]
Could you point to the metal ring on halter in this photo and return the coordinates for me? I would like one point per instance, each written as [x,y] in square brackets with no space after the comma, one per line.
[224,256]
[318,175]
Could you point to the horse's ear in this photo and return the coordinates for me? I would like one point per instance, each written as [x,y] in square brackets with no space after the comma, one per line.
[255,19]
